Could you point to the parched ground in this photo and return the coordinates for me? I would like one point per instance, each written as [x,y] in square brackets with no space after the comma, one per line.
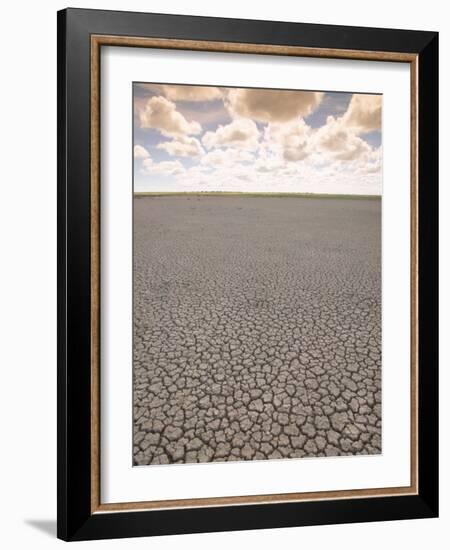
[257,328]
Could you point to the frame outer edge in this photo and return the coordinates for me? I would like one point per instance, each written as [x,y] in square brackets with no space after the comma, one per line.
[398,40]
[74,520]
[74,385]
[61,279]
[428,159]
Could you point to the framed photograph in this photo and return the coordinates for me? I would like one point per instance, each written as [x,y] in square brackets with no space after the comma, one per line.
[247,253]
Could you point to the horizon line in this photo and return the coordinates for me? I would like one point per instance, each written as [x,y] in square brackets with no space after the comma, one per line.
[257,194]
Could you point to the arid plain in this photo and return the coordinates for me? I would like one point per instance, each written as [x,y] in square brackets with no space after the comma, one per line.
[257,328]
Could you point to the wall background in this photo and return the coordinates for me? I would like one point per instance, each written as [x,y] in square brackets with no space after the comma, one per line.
[28,272]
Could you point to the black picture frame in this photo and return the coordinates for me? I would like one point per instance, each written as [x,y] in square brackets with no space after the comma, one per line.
[76,521]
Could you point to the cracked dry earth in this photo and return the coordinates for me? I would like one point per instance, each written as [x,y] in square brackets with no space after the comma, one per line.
[257,328]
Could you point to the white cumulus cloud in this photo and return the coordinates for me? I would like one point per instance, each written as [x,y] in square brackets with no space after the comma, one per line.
[191,93]
[364,113]
[140,152]
[340,141]
[161,114]
[271,105]
[291,140]
[242,133]
[164,168]
[228,157]
[182,147]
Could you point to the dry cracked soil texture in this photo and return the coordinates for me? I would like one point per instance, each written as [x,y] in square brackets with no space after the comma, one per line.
[257,328]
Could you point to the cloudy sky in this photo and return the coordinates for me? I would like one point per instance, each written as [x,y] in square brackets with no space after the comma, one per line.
[194,138]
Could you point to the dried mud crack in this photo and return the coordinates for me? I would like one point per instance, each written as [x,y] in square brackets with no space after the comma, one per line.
[257,328]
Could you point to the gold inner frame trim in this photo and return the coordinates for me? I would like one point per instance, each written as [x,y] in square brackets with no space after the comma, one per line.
[97,41]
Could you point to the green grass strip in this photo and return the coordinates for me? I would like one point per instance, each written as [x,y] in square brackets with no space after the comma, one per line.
[239,194]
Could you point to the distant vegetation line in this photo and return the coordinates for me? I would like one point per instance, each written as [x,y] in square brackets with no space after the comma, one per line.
[243,194]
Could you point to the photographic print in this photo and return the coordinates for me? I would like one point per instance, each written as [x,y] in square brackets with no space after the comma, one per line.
[256,274]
